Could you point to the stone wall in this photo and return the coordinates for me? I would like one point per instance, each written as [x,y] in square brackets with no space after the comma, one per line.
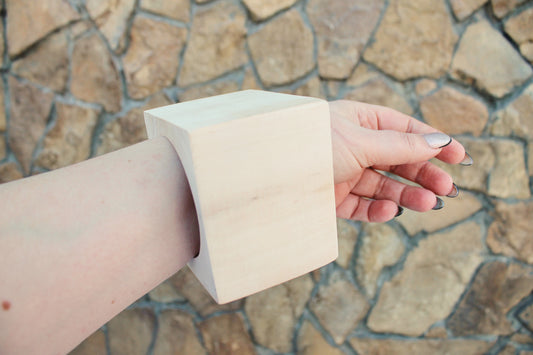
[77,75]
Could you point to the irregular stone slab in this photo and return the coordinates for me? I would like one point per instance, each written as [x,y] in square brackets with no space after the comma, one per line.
[381,247]
[273,313]
[497,288]
[509,177]
[523,338]
[93,345]
[94,75]
[530,157]
[347,237]
[151,62]
[515,119]
[176,334]
[9,172]
[486,60]
[311,342]
[111,17]
[30,109]
[131,331]
[526,317]
[311,87]
[30,20]
[80,27]
[128,129]
[3,151]
[342,29]
[177,9]
[464,8]
[425,86]
[453,112]
[3,122]
[437,332]
[511,231]
[455,210]
[250,81]
[339,307]
[216,43]
[218,88]
[47,64]
[226,334]
[520,28]
[69,141]
[361,75]
[418,35]
[432,280]
[166,292]
[503,7]
[262,10]
[369,346]
[378,92]
[282,50]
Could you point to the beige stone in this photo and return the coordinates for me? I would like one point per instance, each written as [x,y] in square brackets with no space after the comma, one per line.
[131,331]
[94,75]
[369,346]
[509,177]
[425,86]
[9,172]
[464,8]
[381,247]
[273,313]
[282,50]
[47,64]
[347,237]
[218,88]
[69,141]
[79,28]
[361,75]
[530,157]
[30,109]
[216,43]
[515,119]
[311,342]
[225,335]
[523,338]
[497,288]
[1,46]
[485,59]
[111,17]
[30,20]
[455,210]
[378,92]
[151,62]
[166,293]
[432,280]
[93,345]
[339,307]
[176,9]
[250,81]
[418,35]
[526,317]
[508,350]
[3,151]
[510,232]
[262,10]
[128,129]
[453,112]
[333,88]
[342,29]
[176,334]
[437,332]
[503,7]
[311,87]
[520,28]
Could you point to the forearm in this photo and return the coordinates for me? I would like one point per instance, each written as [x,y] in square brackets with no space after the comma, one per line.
[82,243]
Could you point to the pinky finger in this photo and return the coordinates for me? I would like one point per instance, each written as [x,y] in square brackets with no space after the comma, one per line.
[360,209]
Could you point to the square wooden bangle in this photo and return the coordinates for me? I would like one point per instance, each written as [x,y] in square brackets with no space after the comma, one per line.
[260,169]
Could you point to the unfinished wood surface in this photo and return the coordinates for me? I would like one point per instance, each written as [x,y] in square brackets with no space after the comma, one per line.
[260,168]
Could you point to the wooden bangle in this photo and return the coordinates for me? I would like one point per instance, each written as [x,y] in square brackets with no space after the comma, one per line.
[260,169]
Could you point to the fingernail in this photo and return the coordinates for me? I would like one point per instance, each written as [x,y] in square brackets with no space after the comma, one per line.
[437,140]
[439,204]
[400,211]
[454,192]
[467,160]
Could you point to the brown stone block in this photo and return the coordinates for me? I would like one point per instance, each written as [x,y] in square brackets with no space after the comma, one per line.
[111,17]
[130,332]
[226,335]
[177,334]
[93,345]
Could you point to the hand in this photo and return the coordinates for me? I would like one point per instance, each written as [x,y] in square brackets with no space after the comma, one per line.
[367,138]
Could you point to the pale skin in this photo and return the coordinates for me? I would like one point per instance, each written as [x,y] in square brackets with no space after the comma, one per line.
[80,244]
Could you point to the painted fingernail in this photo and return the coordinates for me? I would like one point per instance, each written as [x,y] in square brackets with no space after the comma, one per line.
[467,160]
[439,204]
[437,140]
[400,211]
[454,192]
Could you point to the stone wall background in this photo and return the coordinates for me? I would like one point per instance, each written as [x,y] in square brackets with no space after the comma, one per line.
[77,75]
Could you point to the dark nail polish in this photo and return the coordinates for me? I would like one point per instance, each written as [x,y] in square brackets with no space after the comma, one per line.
[454,192]
[467,160]
[439,204]
[400,211]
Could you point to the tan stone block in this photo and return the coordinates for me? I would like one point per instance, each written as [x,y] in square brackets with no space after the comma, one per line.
[342,29]
[312,87]
[520,28]
[95,77]
[453,112]
[509,177]
[361,75]
[503,7]
[381,247]
[515,118]
[9,172]
[93,345]
[131,331]
[378,92]
[425,86]
[206,90]
[3,151]
[111,17]
[347,237]
[437,332]
[151,62]
[522,338]
[526,316]
[78,28]
[415,38]
[216,43]
[530,157]
[432,280]
[176,9]
[274,329]
[464,8]
[226,334]
[250,81]
[485,59]
[262,10]
[368,346]
[311,342]
[177,334]
[166,293]
[282,50]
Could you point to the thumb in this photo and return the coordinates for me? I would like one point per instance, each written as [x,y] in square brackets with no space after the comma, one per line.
[395,148]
